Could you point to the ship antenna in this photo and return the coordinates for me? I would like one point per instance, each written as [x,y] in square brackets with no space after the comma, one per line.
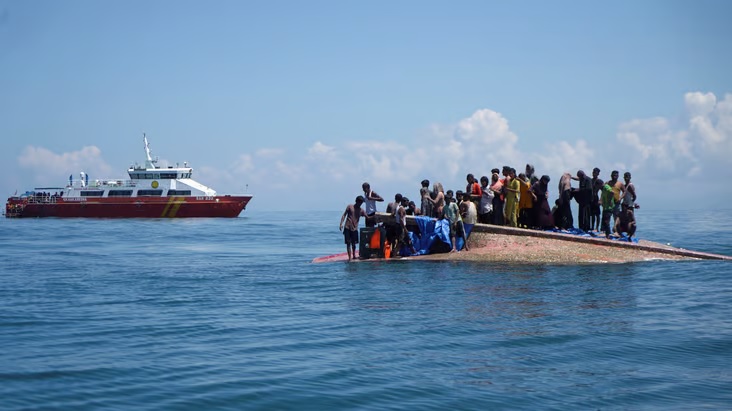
[149,163]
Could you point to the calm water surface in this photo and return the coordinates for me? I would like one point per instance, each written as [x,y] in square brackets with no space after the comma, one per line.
[231,314]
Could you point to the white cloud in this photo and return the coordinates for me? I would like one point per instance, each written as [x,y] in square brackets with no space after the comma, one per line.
[328,161]
[711,121]
[444,152]
[487,128]
[561,157]
[47,167]
[655,147]
[320,149]
[698,104]
[646,140]
[270,152]
[244,164]
[656,150]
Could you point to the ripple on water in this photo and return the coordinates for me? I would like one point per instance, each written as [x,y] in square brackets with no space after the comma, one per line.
[230,314]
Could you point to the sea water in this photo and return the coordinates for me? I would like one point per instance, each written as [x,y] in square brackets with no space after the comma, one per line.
[230,314]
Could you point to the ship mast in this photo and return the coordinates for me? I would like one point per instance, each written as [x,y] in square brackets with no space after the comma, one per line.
[149,163]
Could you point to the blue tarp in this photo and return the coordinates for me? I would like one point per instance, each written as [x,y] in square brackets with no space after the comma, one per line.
[431,230]
[581,233]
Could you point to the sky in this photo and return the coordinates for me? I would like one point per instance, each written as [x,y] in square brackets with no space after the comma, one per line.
[298,103]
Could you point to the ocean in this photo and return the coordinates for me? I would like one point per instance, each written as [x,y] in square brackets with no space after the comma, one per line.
[230,314]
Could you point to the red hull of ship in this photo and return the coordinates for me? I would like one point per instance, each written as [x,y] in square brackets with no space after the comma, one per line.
[147,207]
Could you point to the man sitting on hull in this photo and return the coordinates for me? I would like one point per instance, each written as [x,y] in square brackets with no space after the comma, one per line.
[625,223]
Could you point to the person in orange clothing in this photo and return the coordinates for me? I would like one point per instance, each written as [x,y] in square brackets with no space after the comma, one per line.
[526,202]
[473,189]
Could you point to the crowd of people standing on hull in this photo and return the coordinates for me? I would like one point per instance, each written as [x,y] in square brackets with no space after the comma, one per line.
[509,199]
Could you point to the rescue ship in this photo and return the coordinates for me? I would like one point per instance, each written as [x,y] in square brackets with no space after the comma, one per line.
[150,192]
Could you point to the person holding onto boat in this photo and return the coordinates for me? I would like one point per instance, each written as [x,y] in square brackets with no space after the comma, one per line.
[370,199]
[402,235]
[452,214]
[350,231]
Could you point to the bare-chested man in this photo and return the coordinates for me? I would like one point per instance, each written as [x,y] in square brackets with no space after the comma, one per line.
[350,231]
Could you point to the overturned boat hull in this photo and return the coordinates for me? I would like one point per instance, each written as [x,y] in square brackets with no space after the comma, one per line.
[491,243]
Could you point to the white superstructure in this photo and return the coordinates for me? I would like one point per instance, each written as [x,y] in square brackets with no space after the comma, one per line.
[149,180]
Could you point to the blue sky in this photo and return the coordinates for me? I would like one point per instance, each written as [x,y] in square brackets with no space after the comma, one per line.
[298,103]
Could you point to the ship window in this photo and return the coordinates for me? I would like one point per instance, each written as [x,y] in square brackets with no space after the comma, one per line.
[120,193]
[97,193]
[179,192]
[149,176]
[150,193]
[169,176]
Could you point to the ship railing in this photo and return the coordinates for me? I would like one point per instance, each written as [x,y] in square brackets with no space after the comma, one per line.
[104,183]
[112,183]
[40,198]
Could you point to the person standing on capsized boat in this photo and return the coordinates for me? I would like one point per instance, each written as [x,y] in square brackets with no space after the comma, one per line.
[565,202]
[512,188]
[438,202]
[542,211]
[607,198]
[485,210]
[452,214]
[350,231]
[424,196]
[370,199]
